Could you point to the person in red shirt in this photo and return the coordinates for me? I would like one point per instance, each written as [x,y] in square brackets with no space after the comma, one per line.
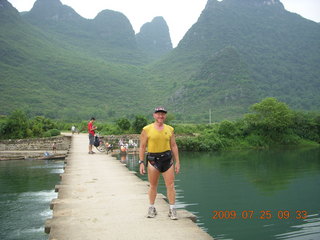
[91,132]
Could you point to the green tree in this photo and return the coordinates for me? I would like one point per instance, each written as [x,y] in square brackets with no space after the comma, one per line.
[170,117]
[123,124]
[46,123]
[138,123]
[307,125]
[227,128]
[39,125]
[270,117]
[17,126]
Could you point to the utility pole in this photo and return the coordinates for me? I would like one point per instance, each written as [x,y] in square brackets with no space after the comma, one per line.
[210,116]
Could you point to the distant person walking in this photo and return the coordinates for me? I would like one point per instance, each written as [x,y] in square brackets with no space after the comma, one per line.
[162,152]
[91,131]
[73,129]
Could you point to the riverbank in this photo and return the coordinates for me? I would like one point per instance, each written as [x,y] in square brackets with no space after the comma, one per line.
[214,142]
[99,198]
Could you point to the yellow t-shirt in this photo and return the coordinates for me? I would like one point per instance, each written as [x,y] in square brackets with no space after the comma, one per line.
[158,141]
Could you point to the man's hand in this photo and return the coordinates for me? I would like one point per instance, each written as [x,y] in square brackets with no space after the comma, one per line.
[142,169]
[177,167]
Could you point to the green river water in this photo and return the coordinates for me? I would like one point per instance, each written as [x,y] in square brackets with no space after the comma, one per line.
[272,194]
[251,195]
[26,190]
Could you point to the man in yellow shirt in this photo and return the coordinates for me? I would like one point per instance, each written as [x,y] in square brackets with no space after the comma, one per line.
[162,152]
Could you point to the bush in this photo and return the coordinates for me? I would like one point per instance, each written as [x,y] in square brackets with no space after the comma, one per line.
[52,133]
[201,143]
[109,129]
[138,123]
[256,141]
[307,126]
[47,134]
[123,124]
[227,129]
[188,129]
[17,126]
[188,144]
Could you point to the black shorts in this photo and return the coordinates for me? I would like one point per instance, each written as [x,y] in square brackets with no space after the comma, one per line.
[161,161]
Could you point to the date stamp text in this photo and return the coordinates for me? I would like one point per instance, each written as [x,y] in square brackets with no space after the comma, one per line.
[263,214]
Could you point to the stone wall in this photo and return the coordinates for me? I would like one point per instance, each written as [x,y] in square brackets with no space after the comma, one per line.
[125,137]
[36,144]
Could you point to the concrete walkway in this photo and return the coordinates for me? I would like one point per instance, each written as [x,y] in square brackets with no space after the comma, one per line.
[99,199]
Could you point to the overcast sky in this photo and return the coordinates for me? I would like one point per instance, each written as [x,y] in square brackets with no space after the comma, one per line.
[180,15]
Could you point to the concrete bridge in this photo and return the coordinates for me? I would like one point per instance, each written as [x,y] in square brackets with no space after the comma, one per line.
[99,198]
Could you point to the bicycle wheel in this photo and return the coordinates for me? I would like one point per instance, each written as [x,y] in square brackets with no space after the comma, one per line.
[101,148]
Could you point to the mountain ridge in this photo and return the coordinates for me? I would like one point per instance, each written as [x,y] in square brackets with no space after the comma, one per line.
[44,76]
[274,43]
[234,55]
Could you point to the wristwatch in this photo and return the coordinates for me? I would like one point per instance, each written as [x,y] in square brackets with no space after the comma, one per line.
[141,161]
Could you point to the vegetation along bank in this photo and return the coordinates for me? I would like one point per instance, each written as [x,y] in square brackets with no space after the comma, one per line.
[269,123]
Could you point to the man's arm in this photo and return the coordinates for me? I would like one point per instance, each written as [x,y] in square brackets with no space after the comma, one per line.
[175,152]
[142,150]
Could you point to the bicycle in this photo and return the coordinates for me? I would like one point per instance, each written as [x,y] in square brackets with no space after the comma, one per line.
[101,145]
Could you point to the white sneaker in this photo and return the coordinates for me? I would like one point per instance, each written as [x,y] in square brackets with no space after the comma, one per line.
[152,212]
[173,214]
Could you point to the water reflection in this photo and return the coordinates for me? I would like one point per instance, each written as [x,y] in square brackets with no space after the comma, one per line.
[268,171]
[257,181]
[130,160]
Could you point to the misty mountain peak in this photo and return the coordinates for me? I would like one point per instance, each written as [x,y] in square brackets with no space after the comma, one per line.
[49,2]
[52,10]
[154,37]
[7,12]
[5,4]
[115,28]
[109,16]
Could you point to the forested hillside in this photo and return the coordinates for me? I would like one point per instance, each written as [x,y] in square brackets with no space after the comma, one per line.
[55,63]
[279,51]
[43,75]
